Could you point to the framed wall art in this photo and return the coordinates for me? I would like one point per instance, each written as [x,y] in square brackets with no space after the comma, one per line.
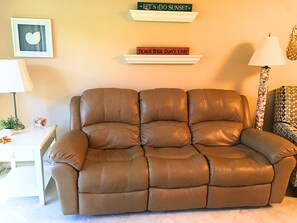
[32,37]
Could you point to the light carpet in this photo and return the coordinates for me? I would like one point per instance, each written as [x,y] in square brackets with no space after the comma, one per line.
[28,210]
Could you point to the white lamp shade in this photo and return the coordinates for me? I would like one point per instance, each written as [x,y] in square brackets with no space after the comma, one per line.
[268,53]
[14,76]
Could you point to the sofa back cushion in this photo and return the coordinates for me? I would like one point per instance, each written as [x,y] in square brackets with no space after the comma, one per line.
[109,105]
[110,117]
[164,118]
[215,116]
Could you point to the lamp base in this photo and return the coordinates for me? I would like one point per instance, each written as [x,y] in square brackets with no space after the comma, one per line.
[20,127]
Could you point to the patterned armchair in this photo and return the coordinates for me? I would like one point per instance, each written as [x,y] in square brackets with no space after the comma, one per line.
[285,119]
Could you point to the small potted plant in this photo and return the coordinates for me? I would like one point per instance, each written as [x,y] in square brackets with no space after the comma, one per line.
[10,125]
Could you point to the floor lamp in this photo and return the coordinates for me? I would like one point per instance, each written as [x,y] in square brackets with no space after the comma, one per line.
[266,55]
[14,78]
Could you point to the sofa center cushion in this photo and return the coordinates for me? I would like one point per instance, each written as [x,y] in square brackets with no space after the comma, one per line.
[236,166]
[163,104]
[165,134]
[176,167]
[113,171]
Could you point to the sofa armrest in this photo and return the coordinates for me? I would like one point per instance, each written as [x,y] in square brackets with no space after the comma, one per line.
[272,146]
[71,148]
[286,130]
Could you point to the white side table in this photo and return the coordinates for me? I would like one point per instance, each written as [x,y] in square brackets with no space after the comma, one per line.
[29,144]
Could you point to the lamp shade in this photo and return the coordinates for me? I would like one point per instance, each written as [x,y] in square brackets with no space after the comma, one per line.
[268,53]
[14,76]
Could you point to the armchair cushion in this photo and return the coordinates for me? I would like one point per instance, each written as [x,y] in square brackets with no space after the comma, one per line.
[71,148]
[285,105]
[286,130]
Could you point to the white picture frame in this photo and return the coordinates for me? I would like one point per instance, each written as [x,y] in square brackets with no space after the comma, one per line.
[32,37]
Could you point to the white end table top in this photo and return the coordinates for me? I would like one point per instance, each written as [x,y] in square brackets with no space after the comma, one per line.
[28,138]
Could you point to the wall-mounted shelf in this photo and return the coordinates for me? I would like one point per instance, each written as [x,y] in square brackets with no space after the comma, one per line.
[162,59]
[163,16]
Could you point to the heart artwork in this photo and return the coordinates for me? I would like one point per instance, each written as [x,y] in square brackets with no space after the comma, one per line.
[33,38]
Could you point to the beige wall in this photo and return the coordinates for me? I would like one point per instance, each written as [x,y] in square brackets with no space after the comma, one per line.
[90,37]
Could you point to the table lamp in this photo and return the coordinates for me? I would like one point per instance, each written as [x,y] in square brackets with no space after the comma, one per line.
[14,78]
[266,55]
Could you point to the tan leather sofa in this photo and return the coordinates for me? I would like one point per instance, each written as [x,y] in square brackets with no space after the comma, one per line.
[166,149]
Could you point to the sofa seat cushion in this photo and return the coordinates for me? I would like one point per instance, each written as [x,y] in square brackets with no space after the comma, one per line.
[176,167]
[113,171]
[236,166]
